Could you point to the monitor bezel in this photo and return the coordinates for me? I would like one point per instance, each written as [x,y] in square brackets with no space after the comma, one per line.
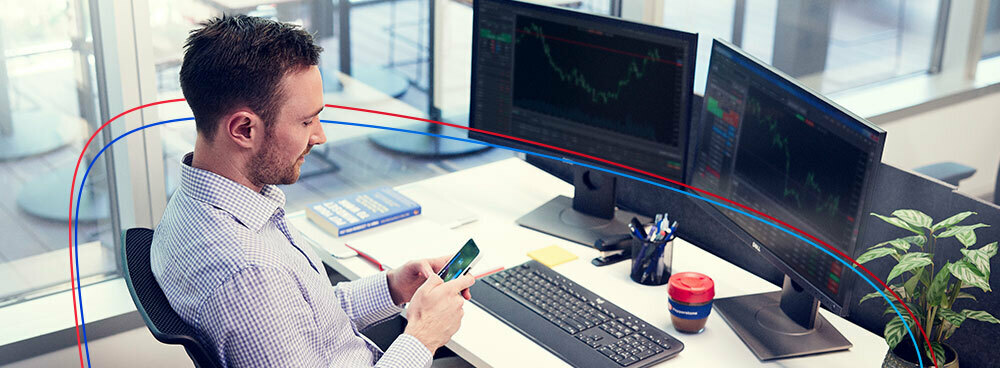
[692,44]
[840,307]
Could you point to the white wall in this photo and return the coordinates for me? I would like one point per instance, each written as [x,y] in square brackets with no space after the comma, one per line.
[967,132]
[131,348]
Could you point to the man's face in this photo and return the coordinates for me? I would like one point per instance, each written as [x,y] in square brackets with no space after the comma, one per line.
[295,129]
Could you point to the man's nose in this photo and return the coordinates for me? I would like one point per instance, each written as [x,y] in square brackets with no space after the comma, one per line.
[319,136]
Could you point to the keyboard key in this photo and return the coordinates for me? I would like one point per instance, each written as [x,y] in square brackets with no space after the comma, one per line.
[643,354]
[627,360]
[606,351]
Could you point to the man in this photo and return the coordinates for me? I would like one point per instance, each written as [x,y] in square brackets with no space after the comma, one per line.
[223,253]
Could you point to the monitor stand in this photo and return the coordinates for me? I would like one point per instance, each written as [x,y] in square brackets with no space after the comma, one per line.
[588,216]
[781,324]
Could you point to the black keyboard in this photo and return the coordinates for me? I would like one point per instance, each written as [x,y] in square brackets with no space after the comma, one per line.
[573,323]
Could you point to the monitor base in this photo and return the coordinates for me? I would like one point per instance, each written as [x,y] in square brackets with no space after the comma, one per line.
[558,218]
[768,331]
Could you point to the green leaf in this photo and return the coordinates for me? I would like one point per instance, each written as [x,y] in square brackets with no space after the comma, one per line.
[875,253]
[938,351]
[969,274]
[967,238]
[910,286]
[913,308]
[918,240]
[909,262]
[958,229]
[925,278]
[951,221]
[914,217]
[964,295]
[980,316]
[951,316]
[900,244]
[947,334]
[981,258]
[937,290]
[870,296]
[894,331]
[899,223]
[991,249]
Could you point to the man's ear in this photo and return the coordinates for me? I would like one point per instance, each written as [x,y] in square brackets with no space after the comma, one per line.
[243,128]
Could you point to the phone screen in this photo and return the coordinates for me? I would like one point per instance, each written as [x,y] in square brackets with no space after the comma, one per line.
[460,262]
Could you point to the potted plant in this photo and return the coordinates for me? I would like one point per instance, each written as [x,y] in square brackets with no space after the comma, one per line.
[930,290]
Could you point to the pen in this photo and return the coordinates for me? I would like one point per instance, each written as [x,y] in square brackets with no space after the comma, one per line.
[655,229]
[635,227]
[670,232]
[367,257]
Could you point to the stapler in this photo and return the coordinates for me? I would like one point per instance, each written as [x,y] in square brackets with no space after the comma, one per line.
[613,250]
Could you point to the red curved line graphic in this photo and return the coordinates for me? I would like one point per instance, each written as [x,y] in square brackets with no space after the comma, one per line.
[72,185]
[713,195]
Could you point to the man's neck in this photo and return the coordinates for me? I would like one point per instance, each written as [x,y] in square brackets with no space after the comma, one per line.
[228,165]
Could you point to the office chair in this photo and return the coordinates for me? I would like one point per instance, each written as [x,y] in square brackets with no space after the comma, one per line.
[948,172]
[166,326]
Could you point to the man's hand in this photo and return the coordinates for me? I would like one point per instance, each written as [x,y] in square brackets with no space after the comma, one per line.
[404,281]
[435,313]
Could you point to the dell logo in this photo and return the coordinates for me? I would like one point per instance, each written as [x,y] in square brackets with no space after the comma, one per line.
[755,246]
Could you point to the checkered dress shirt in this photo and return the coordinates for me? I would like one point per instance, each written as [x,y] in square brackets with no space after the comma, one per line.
[235,271]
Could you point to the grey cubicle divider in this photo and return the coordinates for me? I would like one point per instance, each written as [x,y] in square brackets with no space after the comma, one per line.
[895,189]
[898,188]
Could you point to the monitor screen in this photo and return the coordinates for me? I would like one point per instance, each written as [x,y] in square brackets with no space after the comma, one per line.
[773,145]
[600,86]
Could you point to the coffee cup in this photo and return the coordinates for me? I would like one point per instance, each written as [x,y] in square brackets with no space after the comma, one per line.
[691,295]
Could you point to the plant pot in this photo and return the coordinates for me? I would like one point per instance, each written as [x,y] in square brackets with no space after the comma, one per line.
[903,356]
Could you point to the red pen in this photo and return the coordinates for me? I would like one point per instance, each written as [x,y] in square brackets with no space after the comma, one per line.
[490,272]
[367,257]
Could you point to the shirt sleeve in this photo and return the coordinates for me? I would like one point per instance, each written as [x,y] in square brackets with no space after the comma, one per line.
[260,318]
[406,351]
[367,300]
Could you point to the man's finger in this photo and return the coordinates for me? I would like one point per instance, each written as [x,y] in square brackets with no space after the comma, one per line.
[466,294]
[426,270]
[432,280]
[461,283]
[438,263]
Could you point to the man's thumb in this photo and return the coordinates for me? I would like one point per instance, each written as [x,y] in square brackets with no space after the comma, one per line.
[432,278]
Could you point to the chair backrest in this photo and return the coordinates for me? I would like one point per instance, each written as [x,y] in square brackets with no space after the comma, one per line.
[166,326]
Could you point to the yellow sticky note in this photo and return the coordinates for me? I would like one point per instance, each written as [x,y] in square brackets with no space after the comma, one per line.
[552,256]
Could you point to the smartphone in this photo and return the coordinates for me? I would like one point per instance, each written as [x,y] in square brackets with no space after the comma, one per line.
[461,262]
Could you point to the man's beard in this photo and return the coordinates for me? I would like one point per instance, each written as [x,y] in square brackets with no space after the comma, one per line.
[266,167]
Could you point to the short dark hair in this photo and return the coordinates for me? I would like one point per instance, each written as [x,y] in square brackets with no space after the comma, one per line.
[239,60]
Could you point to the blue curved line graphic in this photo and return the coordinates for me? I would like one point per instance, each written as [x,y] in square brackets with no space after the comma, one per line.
[565,160]
[76,221]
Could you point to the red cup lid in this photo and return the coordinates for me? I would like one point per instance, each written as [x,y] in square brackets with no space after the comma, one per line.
[691,287]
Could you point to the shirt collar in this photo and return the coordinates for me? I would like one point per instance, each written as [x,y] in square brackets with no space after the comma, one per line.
[250,208]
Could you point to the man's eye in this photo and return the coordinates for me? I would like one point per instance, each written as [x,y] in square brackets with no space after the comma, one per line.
[307,122]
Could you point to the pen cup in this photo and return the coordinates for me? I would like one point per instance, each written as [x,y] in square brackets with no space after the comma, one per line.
[651,261]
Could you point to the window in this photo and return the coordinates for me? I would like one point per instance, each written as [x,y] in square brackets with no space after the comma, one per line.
[42,131]
[829,45]
[389,61]
[991,38]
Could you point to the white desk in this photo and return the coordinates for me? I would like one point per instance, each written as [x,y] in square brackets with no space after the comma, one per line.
[501,192]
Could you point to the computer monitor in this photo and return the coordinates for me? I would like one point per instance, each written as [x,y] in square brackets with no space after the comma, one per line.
[600,86]
[768,142]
